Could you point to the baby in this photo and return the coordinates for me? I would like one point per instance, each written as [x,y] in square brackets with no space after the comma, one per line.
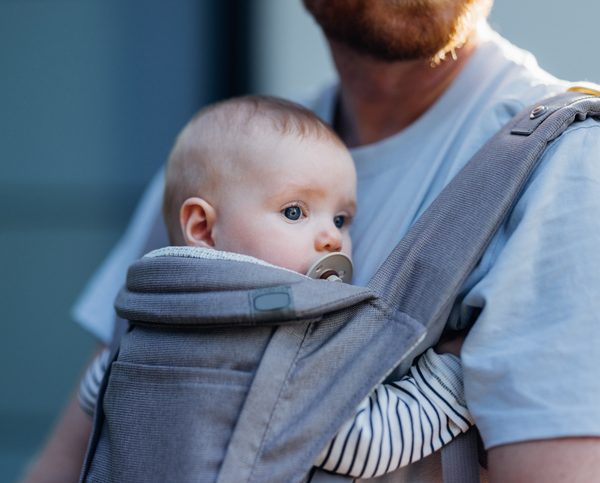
[264,177]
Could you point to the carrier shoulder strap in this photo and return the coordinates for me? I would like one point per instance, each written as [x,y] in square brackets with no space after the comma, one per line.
[477,201]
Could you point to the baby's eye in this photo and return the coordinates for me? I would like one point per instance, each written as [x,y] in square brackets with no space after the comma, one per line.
[292,213]
[339,221]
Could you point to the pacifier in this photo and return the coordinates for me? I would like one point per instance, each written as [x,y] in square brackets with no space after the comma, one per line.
[335,267]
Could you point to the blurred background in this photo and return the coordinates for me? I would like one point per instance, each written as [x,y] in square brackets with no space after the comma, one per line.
[91,96]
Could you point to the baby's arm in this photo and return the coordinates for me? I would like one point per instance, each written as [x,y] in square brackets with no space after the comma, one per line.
[402,422]
[91,381]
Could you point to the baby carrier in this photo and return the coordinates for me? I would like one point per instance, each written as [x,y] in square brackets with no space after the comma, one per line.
[235,371]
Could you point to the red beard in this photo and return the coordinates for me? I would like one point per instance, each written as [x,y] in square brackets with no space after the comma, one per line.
[394,30]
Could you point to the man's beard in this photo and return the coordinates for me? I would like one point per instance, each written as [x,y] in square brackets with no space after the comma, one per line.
[393,30]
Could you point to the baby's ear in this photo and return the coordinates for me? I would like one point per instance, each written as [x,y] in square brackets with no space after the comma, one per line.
[197,218]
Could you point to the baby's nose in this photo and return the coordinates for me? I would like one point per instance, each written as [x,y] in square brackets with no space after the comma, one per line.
[329,240]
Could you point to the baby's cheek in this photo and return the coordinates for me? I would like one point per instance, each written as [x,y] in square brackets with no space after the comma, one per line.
[285,245]
[347,245]
[290,259]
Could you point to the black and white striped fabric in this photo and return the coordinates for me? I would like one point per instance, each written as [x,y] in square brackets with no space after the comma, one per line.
[399,423]
[402,422]
[90,384]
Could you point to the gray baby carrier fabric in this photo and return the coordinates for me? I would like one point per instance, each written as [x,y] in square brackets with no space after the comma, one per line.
[235,371]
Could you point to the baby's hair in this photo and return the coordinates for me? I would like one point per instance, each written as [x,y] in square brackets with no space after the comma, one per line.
[212,142]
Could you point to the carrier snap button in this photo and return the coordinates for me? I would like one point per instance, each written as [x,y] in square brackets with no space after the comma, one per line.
[537,112]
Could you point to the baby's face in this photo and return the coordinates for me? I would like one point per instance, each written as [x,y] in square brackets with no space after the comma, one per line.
[291,203]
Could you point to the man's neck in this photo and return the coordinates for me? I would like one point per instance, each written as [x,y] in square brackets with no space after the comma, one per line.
[378,99]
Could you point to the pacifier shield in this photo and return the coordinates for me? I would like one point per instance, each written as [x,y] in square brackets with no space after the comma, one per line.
[335,265]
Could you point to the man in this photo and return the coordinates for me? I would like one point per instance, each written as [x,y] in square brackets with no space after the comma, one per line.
[422,85]
[401,90]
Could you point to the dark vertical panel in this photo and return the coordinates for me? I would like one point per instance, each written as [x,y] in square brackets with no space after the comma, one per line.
[234,39]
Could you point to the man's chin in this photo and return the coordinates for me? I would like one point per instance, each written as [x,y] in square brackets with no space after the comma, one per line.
[399,30]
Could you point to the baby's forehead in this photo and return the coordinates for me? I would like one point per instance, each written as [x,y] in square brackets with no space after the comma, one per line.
[285,152]
[256,115]
[238,137]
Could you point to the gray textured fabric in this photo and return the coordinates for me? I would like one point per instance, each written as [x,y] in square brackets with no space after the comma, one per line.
[324,477]
[202,293]
[461,458]
[239,372]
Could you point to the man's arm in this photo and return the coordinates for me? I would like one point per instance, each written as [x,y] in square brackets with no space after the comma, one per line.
[572,460]
[62,457]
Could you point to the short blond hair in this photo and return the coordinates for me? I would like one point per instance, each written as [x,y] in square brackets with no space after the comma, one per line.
[211,141]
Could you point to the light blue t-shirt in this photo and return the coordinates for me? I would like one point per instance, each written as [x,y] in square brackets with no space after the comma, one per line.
[530,361]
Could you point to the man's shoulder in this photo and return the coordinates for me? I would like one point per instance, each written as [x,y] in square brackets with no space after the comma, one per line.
[574,155]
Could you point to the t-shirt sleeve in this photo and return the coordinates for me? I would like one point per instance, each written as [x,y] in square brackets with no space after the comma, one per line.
[531,359]
[94,309]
